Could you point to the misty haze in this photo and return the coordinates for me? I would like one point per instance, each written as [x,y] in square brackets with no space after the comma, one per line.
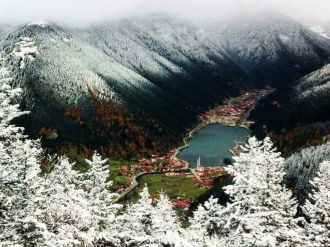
[165,123]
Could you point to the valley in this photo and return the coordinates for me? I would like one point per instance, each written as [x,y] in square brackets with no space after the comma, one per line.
[163,130]
[132,89]
[174,173]
[157,72]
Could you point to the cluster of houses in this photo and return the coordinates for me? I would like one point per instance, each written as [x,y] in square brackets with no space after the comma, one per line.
[167,163]
[205,175]
[170,164]
[182,203]
[234,109]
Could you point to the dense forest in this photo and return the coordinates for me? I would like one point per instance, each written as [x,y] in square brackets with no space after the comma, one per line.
[59,206]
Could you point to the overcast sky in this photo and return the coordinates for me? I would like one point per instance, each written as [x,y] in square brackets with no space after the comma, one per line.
[88,11]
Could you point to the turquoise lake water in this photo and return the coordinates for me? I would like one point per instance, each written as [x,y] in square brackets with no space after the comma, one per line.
[212,144]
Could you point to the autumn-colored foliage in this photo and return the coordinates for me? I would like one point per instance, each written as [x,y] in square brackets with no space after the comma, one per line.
[75,114]
[116,132]
[298,138]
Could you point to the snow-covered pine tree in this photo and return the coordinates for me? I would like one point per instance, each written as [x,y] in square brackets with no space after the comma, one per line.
[144,224]
[64,208]
[50,208]
[95,182]
[135,224]
[166,229]
[35,210]
[19,169]
[261,212]
[204,227]
[76,208]
[302,166]
[97,173]
[22,190]
[317,208]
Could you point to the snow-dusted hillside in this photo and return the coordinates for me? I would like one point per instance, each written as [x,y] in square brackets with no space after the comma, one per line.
[158,66]
[307,101]
[165,67]
[272,47]
[303,166]
[321,31]
[310,101]
[315,84]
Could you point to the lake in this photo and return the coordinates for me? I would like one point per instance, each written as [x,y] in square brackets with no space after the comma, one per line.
[212,144]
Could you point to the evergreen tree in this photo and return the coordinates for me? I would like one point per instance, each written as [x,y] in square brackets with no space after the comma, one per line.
[204,227]
[135,224]
[64,208]
[317,208]
[97,185]
[54,208]
[144,224]
[19,169]
[262,210]
[166,229]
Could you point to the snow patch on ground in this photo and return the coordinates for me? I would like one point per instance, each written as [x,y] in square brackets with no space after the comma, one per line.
[321,31]
[25,49]
[284,38]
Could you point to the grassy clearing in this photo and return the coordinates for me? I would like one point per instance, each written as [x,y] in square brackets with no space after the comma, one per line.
[116,176]
[172,185]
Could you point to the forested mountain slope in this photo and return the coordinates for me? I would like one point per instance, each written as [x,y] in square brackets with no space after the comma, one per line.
[271,47]
[313,95]
[168,77]
[158,68]
[303,166]
[305,102]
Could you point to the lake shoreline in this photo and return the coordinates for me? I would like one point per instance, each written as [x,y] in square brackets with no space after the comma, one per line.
[229,120]
[192,134]
[226,118]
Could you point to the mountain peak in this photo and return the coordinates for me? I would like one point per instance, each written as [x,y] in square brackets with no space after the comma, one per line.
[40,23]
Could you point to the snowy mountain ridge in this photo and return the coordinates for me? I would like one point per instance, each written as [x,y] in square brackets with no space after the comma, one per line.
[321,31]
[159,65]
[273,47]
[131,64]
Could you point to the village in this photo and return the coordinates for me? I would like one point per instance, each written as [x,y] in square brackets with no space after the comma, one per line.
[233,112]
